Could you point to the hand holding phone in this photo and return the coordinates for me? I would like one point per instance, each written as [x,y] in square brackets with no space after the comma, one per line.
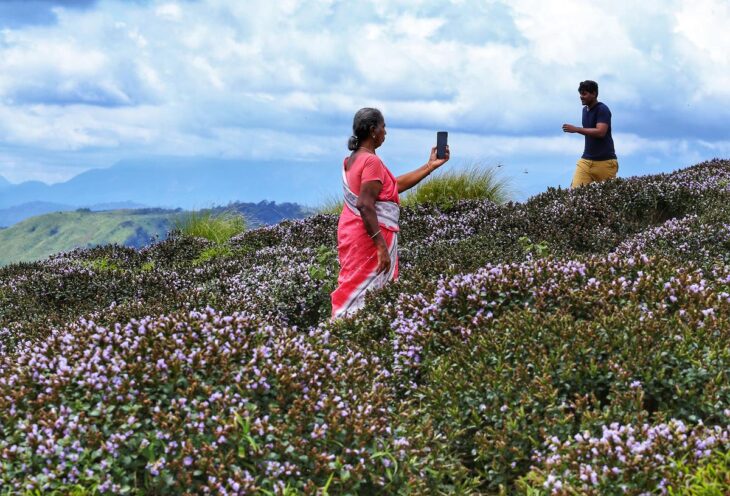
[441,142]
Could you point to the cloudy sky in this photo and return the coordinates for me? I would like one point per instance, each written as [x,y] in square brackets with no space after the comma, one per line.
[85,84]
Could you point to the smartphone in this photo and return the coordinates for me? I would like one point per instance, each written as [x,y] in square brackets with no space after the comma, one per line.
[441,141]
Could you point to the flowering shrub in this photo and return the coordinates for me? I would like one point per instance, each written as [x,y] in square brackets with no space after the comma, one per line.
[194,403]
[547,347]
[624,459]
[513,329]
[690,237]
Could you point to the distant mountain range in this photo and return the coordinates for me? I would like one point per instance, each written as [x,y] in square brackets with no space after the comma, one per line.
[171,182]
[265,212]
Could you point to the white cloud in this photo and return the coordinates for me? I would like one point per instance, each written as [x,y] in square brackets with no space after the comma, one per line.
[702,22]
[704,47]
[231,78]
[169,12]
[413,27]
[55,57]
[77,127]
[572,32]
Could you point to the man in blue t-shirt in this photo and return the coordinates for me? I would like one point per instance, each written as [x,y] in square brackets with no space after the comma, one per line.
[598,162]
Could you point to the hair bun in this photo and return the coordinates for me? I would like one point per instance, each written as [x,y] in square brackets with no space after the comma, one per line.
[352,143]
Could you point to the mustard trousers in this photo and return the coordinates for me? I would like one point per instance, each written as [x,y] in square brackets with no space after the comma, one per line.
[590,171]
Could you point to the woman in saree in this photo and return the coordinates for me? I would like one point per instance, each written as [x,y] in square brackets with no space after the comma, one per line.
[367,232]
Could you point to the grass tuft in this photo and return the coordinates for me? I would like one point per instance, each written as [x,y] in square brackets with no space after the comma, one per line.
[102,265]
[217,228]
[709,479]
[445,189]
[331,205]
[214,252]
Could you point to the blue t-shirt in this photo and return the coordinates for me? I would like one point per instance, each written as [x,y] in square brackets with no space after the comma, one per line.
[598,148]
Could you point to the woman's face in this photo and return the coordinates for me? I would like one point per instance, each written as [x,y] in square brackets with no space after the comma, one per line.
[379,132]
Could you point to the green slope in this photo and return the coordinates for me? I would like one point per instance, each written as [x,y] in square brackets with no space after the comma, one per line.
[38,237]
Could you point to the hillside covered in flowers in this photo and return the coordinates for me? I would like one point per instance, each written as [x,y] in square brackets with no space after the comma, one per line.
[576,343]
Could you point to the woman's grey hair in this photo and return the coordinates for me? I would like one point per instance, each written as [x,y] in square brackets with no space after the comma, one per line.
[363,123]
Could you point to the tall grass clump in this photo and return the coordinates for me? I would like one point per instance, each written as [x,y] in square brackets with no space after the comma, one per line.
[217,228]
[331,205]
[445,189]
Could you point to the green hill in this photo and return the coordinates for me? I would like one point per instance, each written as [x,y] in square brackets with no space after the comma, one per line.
[44,235]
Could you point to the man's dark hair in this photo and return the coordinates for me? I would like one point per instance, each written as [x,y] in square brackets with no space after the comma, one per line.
[589,86]
[365,120]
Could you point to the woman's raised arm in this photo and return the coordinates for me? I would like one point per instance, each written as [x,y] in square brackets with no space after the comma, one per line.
[410,179]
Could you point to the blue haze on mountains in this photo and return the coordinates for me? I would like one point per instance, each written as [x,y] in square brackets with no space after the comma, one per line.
[190,183]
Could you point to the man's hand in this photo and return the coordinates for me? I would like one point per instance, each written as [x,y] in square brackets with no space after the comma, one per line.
[569,128]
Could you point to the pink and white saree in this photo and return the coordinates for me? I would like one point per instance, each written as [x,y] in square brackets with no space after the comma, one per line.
[357,253]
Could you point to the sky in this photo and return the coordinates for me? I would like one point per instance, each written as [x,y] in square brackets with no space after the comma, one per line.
[86,84]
